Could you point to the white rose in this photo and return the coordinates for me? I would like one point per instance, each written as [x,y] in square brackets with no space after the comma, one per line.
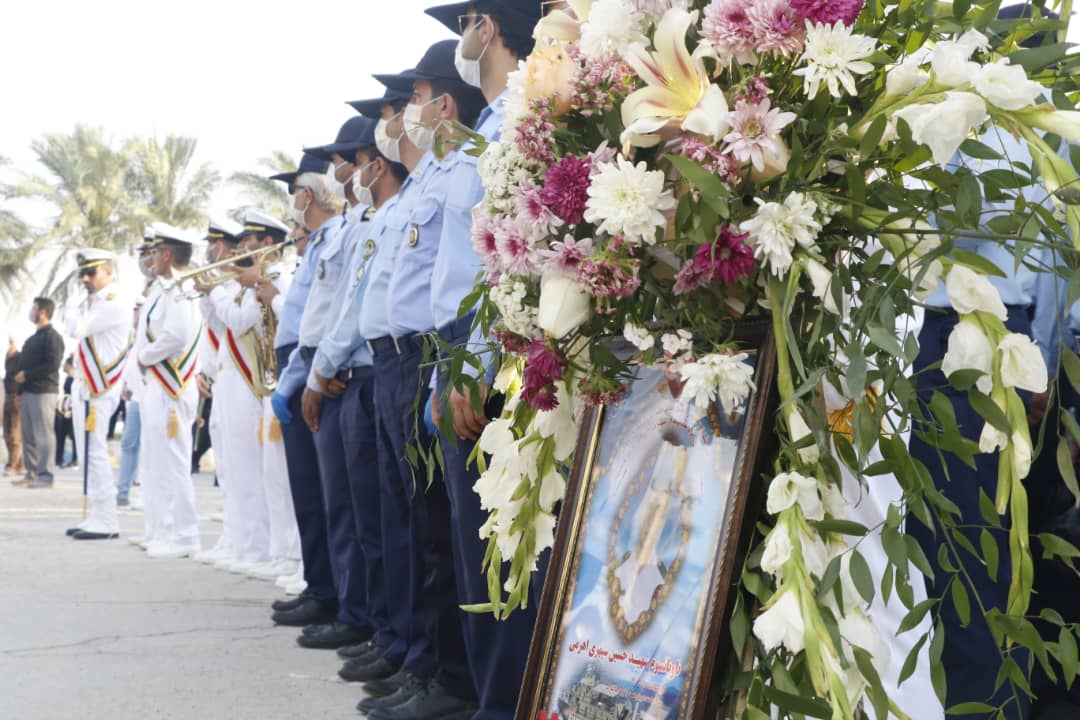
[799,429]
[822,281]
[777,550]
[945,125]
[781,624]
[790,488]
[1006,86]
[1022,364]
[990,439]
[1021,458]
[564,305]
[952,64]
[969,349]
[903,78]
[970,292]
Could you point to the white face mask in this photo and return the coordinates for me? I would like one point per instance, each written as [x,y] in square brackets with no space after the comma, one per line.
[335,184]
[296,213]
[467,68]
[361,191]
[388,146]
[421,136]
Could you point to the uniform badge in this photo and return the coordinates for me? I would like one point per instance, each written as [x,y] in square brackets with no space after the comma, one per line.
[322,269]
[414,235]
[111,296]
[274,275]
[368,214]
[369,249]
[360,274]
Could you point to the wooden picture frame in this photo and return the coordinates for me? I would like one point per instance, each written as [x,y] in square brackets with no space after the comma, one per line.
[633,631]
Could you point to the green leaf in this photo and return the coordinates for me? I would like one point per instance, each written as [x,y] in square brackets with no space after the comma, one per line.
[870,140]
[878,698]
[797,704]
[976,149]
[990,552]
[843,527]
[961,601]
[1068,472]
[1072,367]
[1067,655]
[705,181]
[964,380]
[912,660]
[976,262]
[916,615]
[885,339]
[971,708]
[1053,545]
[918,557]
[990,412]
[1036,58]
[861,576]
[969,200]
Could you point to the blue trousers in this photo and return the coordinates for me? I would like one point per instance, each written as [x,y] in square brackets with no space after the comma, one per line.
[416,526]
[129,450]
[346,560]
[496,650]
[970,656]
[307,495]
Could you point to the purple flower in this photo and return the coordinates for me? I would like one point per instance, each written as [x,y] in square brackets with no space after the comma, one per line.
[566,255]
[543,367]
[755,131]
[566,188]
[753,91]
[711,158]
[535,134]
[828,11]
[728,259]
[604,278]
[777,28]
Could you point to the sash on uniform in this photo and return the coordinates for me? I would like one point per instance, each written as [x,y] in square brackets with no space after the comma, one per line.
[173,375]
[99,377]
[215,342]
[236,352]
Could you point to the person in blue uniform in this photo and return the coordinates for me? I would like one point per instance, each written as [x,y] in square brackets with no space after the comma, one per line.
[495,35]
[417,515]
[318,602]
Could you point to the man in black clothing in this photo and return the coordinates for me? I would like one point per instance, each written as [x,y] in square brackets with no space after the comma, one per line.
[63,426]
[12,410]
[39,378]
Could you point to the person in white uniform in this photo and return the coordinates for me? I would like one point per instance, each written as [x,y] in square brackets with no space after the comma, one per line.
[169,361]
[222,237]
[102,326]
[239,391]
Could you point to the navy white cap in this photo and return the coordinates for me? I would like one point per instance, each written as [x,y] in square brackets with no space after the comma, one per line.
[169,235]
[223,229]
[258,222]
[88,258]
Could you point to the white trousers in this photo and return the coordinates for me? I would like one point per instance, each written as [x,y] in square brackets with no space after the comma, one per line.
[284,533]
[100,478]
[245,502]
[165,465]
[221,469]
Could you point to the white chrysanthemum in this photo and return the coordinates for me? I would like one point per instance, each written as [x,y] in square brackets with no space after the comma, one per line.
[718,376]
[614,26]
[628,200]
[638,336]
[833,55]
[509,297]
[778,227]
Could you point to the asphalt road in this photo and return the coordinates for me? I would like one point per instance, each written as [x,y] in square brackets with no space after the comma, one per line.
[96,630]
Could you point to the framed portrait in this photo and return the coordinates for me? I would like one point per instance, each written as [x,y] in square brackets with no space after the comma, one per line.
[651,540]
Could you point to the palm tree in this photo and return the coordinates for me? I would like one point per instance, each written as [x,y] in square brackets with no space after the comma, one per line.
[162,182]
[14,247]
[86,184]
[268,195]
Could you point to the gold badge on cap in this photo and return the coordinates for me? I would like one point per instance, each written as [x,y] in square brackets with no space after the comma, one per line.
[414,235]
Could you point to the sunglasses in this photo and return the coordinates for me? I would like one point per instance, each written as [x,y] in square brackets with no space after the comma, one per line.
[88,272]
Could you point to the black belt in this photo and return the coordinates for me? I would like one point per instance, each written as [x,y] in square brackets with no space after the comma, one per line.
[307,353]
[394,345]
[357,372]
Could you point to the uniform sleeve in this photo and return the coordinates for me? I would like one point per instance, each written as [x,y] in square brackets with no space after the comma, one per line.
[238,316]
[103,315]
[293,376]
[175,334]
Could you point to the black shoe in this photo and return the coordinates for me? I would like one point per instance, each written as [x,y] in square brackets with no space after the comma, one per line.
[286,605]
[40,484]
[308,612]
[375,670]
[333,636]
[71,531]
[87,535]
[432,701]
[358,650]
[316,628]
[410,687]
[387,686]
[122,503]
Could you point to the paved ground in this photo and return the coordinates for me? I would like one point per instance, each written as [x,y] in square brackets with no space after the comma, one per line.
[96,630]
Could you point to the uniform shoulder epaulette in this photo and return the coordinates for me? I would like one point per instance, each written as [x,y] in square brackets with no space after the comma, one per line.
[368,214]
[111,296]
[274,275]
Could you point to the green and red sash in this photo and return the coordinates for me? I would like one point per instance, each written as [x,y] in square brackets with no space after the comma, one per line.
[242,364]
[215,341]
[173,375]
[100,377]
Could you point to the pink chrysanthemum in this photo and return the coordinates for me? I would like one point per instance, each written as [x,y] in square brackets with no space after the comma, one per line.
[535,134]
[777,28]
[532,209]
[602,84]
[728,259]
[566,256]
[828,12]
[566,188]
[484,242]
[754,131]
[517,256]
[753,90]
[604,278]
[726,25]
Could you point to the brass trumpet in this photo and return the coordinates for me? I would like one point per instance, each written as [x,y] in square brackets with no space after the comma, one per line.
[215,277]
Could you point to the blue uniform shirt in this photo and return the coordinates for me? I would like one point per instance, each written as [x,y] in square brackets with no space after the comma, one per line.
[1054,324]
[327,271]
[1018,285]
[490,122]
[456,262]
[374,320]
[344,346]
[288,332]
[414,228]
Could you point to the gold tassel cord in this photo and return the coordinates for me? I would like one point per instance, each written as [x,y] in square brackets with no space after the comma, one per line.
[172,428]
[275,430]
[91,419]
[261,429]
